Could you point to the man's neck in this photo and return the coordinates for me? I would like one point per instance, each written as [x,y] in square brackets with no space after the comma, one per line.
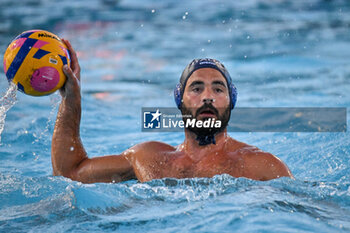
[196,152]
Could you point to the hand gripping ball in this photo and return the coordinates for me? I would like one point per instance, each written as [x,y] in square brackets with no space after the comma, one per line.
[34,62]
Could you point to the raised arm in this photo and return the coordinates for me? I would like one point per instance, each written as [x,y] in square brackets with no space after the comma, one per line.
[68,155]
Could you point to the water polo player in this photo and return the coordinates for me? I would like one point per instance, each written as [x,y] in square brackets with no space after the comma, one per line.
[205,91]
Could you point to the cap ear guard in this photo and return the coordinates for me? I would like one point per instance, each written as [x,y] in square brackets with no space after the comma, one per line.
[178,96]
[233,93]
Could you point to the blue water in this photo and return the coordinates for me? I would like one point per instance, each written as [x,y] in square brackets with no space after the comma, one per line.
[279,53]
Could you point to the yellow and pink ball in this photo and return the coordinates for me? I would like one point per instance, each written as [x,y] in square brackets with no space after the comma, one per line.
[34,61]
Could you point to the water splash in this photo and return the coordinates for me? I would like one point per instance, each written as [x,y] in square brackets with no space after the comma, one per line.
[54,100]
[6,103]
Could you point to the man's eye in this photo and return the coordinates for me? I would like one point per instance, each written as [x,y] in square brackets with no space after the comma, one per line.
[219,90]
[196,89]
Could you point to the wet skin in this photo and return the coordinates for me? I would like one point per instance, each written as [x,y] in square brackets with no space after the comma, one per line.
[155,160]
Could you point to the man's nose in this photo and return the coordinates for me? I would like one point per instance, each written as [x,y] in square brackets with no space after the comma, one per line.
[207,96]
[208,101]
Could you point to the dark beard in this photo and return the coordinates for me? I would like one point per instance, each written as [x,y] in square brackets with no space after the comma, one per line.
[204,135]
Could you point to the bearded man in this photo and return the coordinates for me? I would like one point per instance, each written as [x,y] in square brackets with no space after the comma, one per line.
[205,92]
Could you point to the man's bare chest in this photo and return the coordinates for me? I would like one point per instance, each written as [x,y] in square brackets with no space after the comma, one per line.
[184,167]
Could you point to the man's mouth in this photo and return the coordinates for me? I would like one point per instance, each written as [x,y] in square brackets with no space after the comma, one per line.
[207,113]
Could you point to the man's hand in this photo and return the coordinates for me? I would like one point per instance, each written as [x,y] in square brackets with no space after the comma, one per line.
[71,88]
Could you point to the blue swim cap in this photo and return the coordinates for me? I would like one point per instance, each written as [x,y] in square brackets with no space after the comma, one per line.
[204,63]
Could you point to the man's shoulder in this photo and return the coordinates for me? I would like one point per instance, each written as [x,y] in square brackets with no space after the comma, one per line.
[240,147]
[259,164]
[250,152]
[148,148]
[153,145]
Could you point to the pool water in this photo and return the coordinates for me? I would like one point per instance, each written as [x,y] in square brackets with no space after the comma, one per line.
[280,54]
